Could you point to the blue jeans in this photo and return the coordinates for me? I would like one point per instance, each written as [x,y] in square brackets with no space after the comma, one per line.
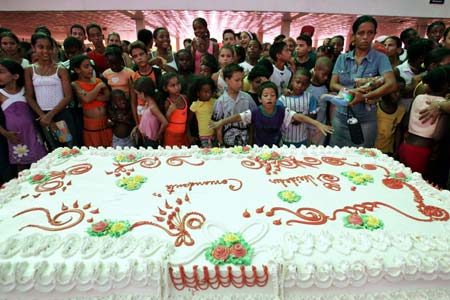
[341,135]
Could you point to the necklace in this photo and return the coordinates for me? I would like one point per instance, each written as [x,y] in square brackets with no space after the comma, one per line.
[45,71]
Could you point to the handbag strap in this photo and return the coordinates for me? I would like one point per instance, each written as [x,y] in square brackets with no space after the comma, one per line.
[350,112]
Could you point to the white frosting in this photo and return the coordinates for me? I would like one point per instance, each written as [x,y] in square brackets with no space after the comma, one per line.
[219,189]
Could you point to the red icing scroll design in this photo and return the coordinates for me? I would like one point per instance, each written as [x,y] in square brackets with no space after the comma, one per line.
[273,166]
[190,185]
[178,225]
[148,163]
[312,216]
[56,180]
[338,161]
[56,222]
[305,215]
[372,167]
[330,181]
[214,279]
[176,161]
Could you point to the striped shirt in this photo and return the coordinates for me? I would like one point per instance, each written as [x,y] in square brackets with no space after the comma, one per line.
[305,104]
[281,78]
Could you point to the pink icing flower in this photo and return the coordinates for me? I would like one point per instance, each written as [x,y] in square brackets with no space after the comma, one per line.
[131,157]
[245,149]
[206,150]
[355,219]
[221,252]
[400,175]
[100,226]
[73,151]
[37,177]
[371,153]
[275,155]
[237,250]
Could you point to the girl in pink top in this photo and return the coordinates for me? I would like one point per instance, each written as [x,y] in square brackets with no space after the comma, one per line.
[153,123]
[416,149]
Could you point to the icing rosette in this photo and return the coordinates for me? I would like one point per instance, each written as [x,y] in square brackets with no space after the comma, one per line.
[231,248]
[121,157]
[211,151]
[357,221]
[100,228]
[241,150]
[270,156]
[400,176]
[131,183]
[67,152]
[358,178]
[367,152]
[38,178]
[119,228]
[289,196]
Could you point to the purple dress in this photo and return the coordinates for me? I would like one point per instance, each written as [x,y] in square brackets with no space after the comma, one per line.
[19,119]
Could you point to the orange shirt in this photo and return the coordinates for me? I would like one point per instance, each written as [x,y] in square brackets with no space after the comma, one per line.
[119,80]
[87,87]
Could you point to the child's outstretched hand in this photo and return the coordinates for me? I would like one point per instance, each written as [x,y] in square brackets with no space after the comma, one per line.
[213,124]
[324,128]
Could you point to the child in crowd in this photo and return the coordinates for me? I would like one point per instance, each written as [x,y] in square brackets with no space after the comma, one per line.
[303,59]
[24,144]
[9,43]
[299,101]
[48,91]
[153,122]
[185,65]
[281,75]
[203,89]
[319,87]
[226,57]
[138,52]
[95,36]
[199,49]
[93,95]
[163,55]
[118,76]
[176,108]
[415,151]
[268,119]
[256,76]
[114,40]
[233,101]
[121,119]
[389,118]
[253,54]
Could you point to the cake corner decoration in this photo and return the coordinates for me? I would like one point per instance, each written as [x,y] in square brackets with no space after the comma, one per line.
[124,158]
[357,221]
[241,149]
[400,176]
[272,155]
[67,152]
[231,248]
[111,228]
[289,196]
[131,183]
[38,178]
[211,151]
[367,152]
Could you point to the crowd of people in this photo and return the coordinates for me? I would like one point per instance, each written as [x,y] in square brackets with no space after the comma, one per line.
[391,93]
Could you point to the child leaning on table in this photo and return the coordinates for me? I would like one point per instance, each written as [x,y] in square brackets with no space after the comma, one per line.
[268,119]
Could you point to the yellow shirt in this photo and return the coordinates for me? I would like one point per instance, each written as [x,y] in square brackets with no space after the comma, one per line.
[387,124]
[203,111]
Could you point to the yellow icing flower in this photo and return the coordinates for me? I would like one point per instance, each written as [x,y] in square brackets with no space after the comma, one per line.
[120,157]
[288,195]
[351,174]
[372,221]
[138,178]
[266,155]
[117,227]
[237,149]
[231,238]
[366,177]
[216,150]
[358,179]
[132,184]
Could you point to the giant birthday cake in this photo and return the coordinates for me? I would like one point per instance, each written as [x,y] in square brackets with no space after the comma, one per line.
[240,223]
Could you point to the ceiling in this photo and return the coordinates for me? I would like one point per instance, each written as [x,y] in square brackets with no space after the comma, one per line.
[179,22]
